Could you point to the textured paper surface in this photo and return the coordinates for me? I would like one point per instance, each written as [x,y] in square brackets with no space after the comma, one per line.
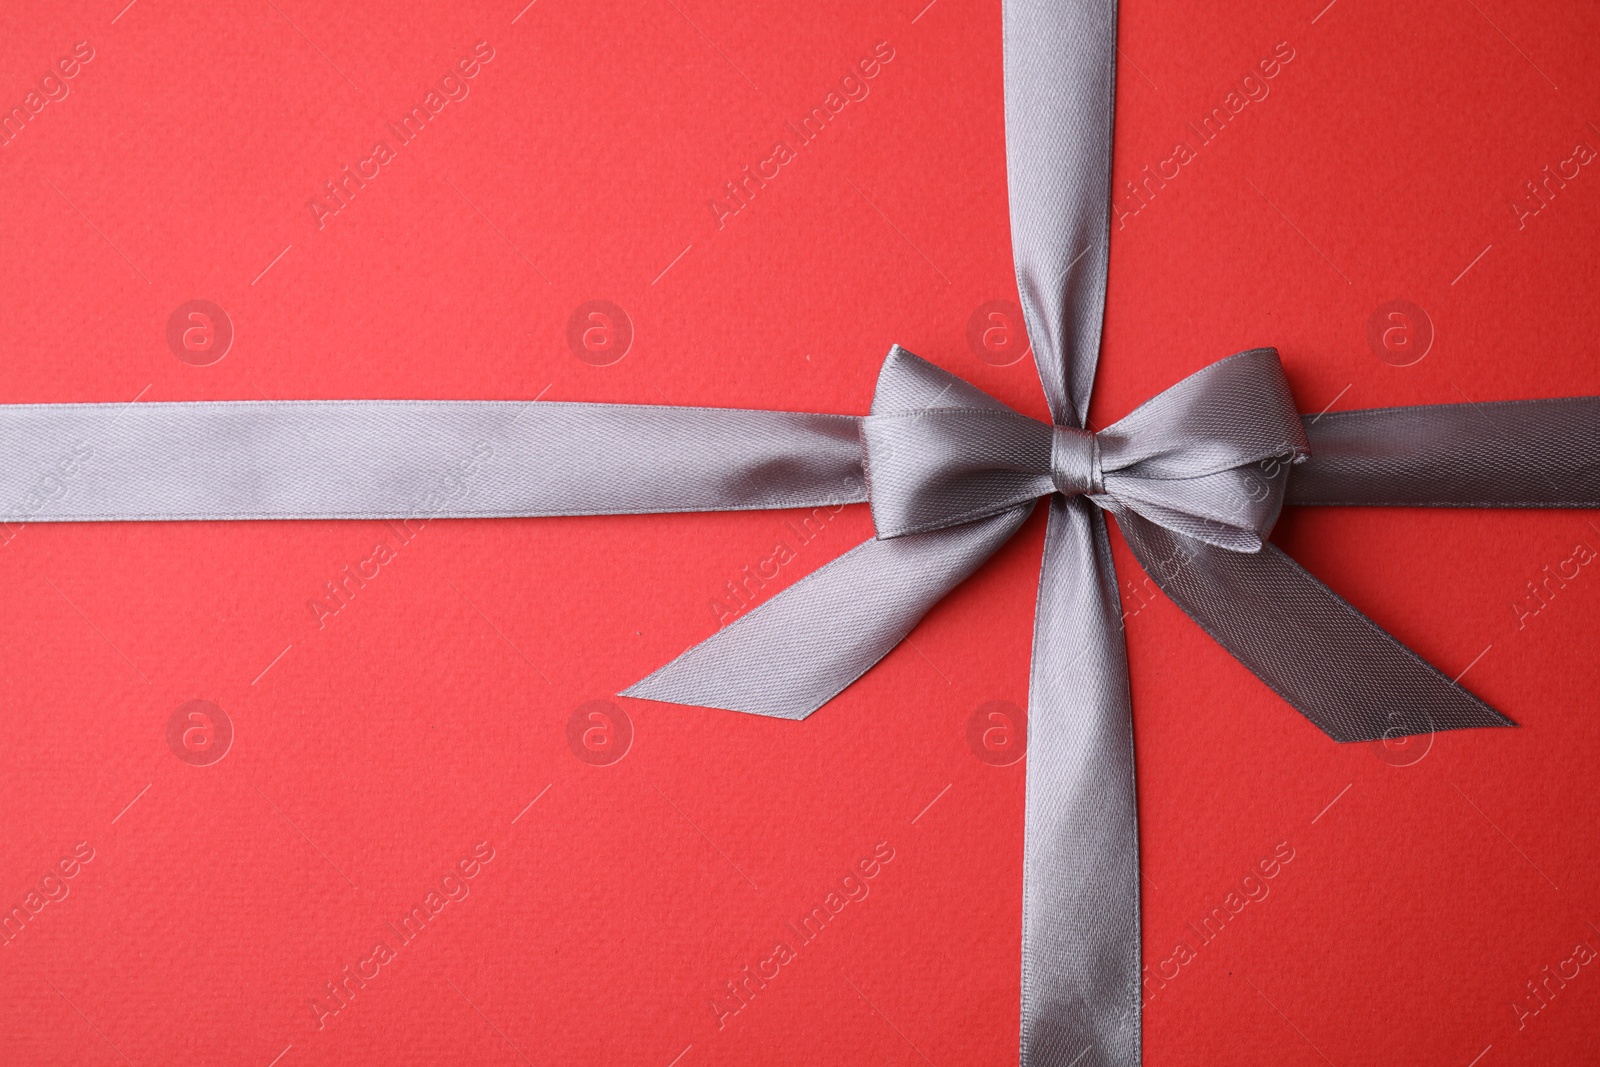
[433,713]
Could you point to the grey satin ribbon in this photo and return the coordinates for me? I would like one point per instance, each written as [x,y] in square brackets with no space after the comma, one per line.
[1195,478]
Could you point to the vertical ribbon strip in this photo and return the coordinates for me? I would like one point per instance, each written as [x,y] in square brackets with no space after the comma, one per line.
[1080,866]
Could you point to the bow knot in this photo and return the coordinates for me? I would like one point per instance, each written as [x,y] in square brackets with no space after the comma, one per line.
[1208,458]
[1075,466]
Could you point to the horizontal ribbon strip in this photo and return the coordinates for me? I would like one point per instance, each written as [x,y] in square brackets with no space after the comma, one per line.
[1497,454]
[369,459]
[354,459]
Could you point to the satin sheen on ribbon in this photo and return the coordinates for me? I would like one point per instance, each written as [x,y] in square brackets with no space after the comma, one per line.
[1195,477]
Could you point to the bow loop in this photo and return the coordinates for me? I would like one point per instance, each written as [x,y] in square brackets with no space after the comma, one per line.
[1208,458]
[1236,412]
[939,452]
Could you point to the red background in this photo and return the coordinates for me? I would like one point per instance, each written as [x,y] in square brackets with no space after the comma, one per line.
[372,753]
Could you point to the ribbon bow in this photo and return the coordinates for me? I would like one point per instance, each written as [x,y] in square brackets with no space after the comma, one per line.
[1193,459]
